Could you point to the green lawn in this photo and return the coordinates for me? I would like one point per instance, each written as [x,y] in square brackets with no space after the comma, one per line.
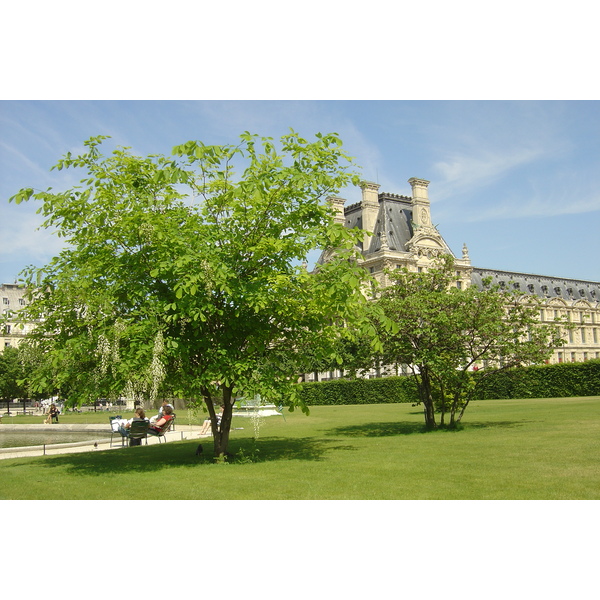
[508,449]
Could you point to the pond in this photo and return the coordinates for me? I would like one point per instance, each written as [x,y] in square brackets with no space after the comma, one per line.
[18,439]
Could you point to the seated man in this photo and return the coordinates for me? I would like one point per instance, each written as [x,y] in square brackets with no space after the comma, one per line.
[166,417]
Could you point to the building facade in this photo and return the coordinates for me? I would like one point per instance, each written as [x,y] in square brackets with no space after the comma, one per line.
[12,298]
[399,233]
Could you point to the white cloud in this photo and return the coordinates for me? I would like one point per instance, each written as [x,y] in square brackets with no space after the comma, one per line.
[461,172]
[24,243]
[12,157]
[551,204]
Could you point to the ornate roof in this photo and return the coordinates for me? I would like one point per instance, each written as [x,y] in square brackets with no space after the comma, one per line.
[540,285]
[395,221]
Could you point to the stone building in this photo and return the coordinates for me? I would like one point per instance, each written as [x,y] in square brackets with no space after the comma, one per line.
[403,236]
[12,299]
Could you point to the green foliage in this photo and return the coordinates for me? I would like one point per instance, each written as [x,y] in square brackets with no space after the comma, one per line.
[12,374]
[183,273]
[441,332]
[545,381]
[359,391]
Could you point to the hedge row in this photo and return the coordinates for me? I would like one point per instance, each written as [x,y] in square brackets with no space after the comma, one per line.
[360,391]
[548,381]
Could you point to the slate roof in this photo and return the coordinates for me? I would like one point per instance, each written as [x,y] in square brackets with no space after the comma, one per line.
[540,285]
[395,218]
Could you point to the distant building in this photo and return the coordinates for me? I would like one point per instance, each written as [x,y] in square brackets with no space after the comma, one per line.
[12,299]
[403,236]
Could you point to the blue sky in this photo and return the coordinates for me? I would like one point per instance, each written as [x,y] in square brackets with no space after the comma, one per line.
[517,181]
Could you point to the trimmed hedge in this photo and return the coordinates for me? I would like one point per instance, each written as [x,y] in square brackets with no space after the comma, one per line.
[360,391]
[547,381]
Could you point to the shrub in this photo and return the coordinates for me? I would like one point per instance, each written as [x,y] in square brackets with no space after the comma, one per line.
[359,391]
[547,381]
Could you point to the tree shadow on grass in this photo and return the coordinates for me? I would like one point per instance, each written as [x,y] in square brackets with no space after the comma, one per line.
[495,424]
[378,429]
[407,428]
[156,458]
[270,449]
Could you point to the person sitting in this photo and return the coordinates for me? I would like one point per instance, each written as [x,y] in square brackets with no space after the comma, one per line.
[140,415]
[123,425]
[207,425]
[160,411]
[52,414]
[167,416]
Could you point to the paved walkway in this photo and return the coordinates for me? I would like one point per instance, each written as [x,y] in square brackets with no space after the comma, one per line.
[182,432]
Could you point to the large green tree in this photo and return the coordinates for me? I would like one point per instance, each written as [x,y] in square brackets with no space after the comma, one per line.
[185,271]
[443,334]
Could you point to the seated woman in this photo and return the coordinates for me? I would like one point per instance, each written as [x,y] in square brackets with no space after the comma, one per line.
[140,415]
[124,426]
[164,404]
[52,414]
[207,425]
[166,417]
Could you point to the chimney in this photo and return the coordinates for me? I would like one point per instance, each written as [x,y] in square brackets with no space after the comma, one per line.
[337,204]
[420,201]
[370,209]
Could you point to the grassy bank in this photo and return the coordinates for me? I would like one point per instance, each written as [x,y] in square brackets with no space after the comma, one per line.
[508,449]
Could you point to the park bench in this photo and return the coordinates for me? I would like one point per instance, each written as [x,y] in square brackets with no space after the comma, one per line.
[14,413]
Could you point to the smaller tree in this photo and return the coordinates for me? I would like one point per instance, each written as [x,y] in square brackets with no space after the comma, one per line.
[12,375]
[443,333]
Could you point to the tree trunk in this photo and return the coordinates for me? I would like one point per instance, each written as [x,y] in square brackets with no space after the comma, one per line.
[462,411]
[442,404]
[427,399]
[220,432]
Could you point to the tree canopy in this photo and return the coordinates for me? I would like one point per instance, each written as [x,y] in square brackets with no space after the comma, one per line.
[184,272]
[12,374]
[443,333]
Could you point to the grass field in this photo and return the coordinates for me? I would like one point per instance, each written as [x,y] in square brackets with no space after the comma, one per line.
[507,449]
